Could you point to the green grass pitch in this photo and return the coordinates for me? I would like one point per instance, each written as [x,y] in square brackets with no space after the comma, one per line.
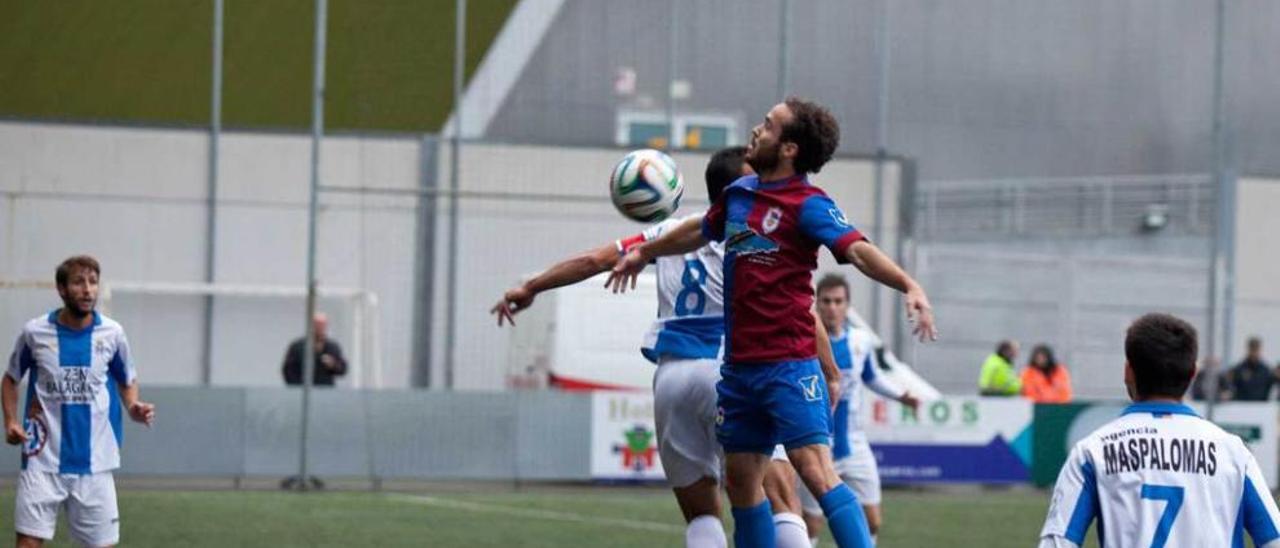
[536,517]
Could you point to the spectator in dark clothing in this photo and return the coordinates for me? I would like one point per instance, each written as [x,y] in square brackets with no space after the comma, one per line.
[1208,377]
[1252,379]
[329,360]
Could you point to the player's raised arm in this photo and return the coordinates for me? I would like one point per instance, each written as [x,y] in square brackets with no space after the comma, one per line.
[567,272]
[872,262]
[683,238]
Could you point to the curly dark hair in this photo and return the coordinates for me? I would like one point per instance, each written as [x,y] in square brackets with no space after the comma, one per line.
[814,130]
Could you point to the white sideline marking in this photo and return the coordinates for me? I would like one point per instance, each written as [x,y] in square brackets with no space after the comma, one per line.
[540,514]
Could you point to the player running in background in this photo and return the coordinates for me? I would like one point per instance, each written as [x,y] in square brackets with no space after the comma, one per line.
[855,353]
[1159,475]
[79,372]
[771,389]
[686,343]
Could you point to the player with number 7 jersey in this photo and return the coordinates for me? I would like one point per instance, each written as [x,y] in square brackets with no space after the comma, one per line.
[1159,475]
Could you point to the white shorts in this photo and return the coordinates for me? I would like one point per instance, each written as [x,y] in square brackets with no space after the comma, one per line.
[90,501]
[859,472]
[684,410]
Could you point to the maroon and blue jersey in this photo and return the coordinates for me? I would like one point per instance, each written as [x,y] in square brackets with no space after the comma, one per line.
[771,233]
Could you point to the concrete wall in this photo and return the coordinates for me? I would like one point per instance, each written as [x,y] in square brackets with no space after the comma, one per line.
[1257,293]
[248,432]
[135,198]
[977,89]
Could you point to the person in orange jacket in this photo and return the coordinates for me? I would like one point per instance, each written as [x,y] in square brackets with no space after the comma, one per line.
[1045,380]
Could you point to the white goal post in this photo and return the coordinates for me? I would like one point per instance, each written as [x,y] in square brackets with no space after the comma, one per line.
[364,352]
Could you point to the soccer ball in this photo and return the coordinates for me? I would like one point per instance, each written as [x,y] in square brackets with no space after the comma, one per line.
[646,186]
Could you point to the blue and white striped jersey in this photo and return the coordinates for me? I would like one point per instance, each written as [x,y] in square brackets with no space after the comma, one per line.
[1161,476]
[690,322]
[855,354]
[72,411]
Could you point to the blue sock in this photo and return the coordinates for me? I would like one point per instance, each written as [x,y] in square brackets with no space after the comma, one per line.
[753,527]
[848,524]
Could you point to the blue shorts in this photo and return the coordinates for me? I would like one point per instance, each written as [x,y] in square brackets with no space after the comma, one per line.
[762,405]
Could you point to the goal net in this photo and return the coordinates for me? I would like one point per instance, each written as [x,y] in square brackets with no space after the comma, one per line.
[251,327]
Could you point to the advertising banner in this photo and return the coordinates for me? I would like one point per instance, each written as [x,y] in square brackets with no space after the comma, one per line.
[1059,427]
[951,440]
[624,445]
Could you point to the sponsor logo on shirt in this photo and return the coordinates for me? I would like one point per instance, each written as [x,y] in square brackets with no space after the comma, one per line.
[838,216]
[745,242]
[72,386]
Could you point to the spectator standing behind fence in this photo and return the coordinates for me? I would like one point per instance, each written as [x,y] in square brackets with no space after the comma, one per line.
[999,378]
[1045,380]
[329,360]
[1251,379]
[1208,378]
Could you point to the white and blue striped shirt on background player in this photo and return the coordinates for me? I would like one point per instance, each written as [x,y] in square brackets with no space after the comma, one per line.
[855,353]
[72,410]
[1159,475]
[690,322]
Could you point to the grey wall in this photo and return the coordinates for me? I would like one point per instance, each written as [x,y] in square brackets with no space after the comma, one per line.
[985,88]
[388,434]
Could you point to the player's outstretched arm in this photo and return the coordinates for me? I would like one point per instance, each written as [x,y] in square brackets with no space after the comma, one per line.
[683,238]
[14,433]
[139,410]
[567,272]
[876,265]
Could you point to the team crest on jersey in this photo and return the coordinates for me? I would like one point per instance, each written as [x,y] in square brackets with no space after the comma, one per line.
[838,216]
[810,387]
[771,220]
[37,436]
[101,348]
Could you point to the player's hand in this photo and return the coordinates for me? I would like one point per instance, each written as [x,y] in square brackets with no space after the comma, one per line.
[908,399]
[512,302]
[14,433]
[920,315]
[142,412]
[626,271]
[328,362]
[833,392]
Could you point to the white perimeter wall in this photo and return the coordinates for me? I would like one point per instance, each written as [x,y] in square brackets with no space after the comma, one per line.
[136,197]
[1257,266]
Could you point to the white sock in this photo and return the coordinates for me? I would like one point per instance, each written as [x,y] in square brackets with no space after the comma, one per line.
[705,532]
[791,531]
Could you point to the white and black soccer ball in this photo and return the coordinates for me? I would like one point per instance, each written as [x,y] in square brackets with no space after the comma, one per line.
[646,186]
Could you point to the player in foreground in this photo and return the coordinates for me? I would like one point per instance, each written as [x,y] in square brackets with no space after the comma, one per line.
[771,389]
[1159,475]
[854,351]
[79,373]
[685,342]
